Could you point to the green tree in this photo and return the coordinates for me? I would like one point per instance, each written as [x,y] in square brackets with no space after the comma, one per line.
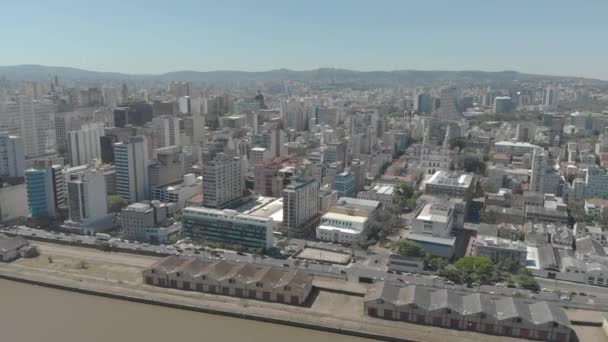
[474,164]
[408,248]
[116,203]
[459,142]
[525,280]
[475,269]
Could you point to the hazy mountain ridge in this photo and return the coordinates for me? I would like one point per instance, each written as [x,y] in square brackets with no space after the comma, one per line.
[404,77]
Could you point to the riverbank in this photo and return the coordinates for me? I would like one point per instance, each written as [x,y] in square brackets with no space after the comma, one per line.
[116,275]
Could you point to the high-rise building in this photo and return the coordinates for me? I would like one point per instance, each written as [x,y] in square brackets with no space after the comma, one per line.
[300,206]
[12,156]
[539,164]
[106,146]
[449,108]
[32,120]
[423,103]
[84,145]
[134,113]
[168,167]
[40,194]
[180,88]
[551,99]
[131,161]
[46,190]
[344,183]
[87,199]
[503,104]
[525,132]
[166,131]
[216,107]
[223,181]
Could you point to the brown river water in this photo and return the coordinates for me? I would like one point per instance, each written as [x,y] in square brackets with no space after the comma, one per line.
[31,313]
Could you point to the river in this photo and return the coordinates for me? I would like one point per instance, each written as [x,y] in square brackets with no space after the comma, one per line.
[31,313]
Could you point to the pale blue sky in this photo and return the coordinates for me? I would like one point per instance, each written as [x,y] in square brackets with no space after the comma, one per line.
[138,36]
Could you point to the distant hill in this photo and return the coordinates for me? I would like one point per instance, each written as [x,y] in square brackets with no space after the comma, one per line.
[338,76]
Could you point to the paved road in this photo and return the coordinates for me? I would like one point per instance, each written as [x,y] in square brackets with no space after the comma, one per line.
[365,266]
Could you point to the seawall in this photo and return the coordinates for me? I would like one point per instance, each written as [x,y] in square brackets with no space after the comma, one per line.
[318,327]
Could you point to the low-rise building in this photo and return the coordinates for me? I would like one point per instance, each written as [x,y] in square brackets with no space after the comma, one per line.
[451,184]
[402,263]
[498,249]
[148,222]
[468,311]
[382,193]
[12,248]
[346,220]
[228,226]
[235,279]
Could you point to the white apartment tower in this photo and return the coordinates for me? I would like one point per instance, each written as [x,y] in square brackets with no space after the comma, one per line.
[539,164]
[131,164]
[223,181]
[33,120]
[166,131]
[87,199]
[84,144]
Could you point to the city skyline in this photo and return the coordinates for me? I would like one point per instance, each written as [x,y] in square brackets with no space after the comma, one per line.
[269,35]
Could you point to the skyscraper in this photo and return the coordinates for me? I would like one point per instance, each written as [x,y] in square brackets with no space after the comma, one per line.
[551,100]
[344,183]
[131,162]
[12,156]
[84,144]
[32,120]
[539,164]
[166,131]
[300,206]
[449,108]
[223,181]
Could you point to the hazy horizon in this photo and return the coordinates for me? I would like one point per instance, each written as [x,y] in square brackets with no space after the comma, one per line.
[561,38]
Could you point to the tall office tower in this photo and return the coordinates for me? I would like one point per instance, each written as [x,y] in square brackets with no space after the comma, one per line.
[539,164]
[223,181]
[359,170]
[551,100]
[300,206]
[423,103]
[84,144]
[168,167]
[32,120]
[166,131]
[131,162]
[449,106]
[179,89]
[87,199]
[525,131]
[12,156]
[46,191]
